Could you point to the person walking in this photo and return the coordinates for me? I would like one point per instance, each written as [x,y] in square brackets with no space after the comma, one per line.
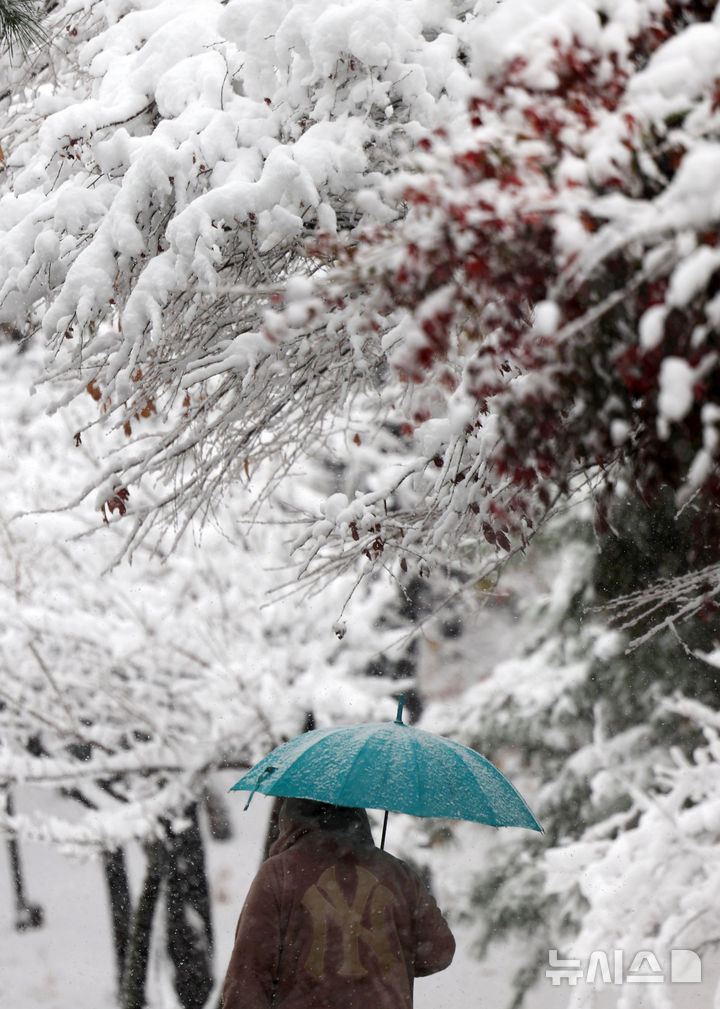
[333,922]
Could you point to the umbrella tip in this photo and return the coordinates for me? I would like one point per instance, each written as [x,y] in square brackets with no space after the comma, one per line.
[401,705]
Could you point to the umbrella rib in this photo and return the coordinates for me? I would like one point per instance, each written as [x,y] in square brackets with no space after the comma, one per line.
[359,757]
[502,799]
[470,762]
[319,746]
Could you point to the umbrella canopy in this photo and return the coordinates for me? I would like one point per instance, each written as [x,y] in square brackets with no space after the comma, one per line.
[391,766]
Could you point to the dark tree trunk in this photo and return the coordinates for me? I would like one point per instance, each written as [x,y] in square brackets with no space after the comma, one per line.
[26,915]
[118,887]
[135,974]
[218,816]
[189,921]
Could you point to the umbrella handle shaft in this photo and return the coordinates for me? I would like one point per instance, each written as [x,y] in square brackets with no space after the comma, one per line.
[384,831]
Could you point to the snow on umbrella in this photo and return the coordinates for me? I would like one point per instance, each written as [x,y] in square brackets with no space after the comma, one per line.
[390,766]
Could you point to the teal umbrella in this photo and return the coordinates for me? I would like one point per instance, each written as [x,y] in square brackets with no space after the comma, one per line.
[390,766]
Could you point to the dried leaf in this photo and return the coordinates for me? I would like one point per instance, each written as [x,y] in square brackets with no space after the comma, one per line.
[503,541]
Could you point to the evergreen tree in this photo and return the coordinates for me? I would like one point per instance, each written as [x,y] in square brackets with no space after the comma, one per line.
[20,23]
[611,743]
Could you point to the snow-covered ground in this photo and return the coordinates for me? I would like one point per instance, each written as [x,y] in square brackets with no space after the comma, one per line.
[68,964]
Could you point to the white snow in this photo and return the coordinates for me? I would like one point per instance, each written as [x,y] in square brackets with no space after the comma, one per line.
[675,396]
[546,318]
[652,325]
[691,276]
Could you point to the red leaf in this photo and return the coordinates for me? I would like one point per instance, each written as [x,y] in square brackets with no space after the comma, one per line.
[503,541]
[116,502]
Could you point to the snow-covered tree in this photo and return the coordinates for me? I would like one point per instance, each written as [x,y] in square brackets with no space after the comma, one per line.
[557,271]
[147,675]
[163,169]
[615,749]
[495,228]
[125,688]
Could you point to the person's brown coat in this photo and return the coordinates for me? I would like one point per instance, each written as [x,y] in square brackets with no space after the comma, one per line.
[332,922]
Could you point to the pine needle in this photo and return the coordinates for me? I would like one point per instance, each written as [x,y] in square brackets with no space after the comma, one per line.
[20,24]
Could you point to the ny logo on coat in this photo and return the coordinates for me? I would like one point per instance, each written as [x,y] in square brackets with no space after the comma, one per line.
[327,905]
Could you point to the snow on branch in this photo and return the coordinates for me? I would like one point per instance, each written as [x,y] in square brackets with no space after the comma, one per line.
[674,825]
[249,233]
